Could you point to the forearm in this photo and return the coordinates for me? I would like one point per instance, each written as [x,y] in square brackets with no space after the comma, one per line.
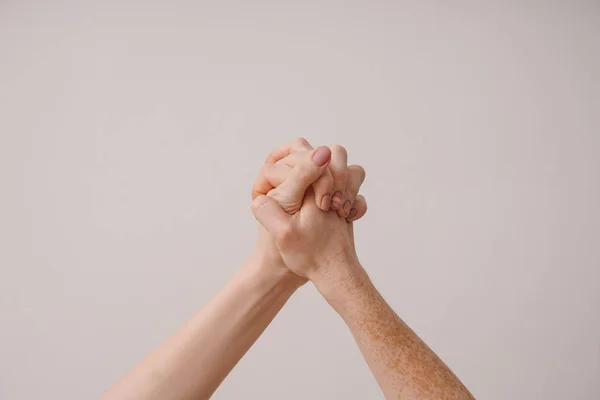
[404,366]
[194,361]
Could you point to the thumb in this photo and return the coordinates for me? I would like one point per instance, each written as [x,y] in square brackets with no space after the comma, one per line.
[310,168]
[270,214]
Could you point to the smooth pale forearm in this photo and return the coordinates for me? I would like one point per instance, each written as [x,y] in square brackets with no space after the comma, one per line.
[404,366]
[194,361]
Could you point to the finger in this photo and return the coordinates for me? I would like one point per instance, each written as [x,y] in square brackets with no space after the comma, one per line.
[285,150]
[323,189]
[339,159]
[304,174]
[358,210]
[270,176]
[295,157]
[270,215]
[262,184]
[355,178]
[323,186]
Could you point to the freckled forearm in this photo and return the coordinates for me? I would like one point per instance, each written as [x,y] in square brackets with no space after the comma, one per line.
[404,366]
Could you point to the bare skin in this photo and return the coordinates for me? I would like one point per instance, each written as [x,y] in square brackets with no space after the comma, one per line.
[319,246]
[298,241]
[404,366]
[193,362]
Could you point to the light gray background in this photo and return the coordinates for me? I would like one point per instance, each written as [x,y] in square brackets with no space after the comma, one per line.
[131,133]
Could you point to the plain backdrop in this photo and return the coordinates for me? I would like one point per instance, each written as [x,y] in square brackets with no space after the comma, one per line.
[131,132]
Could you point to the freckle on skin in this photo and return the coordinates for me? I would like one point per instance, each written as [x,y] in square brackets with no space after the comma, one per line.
[405,360]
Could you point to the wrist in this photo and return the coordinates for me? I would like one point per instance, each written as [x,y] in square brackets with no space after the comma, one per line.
[263,266]
[338,276]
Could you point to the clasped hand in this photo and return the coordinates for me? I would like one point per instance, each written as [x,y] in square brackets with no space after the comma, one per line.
[306,201]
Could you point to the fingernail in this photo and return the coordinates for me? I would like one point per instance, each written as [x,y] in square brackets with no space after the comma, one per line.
[326,202]
[321,156]
[336,202]
[352,213]
[347,206]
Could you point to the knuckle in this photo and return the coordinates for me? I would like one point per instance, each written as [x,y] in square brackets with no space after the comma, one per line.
[264,170]
[361,204]
[338,149]
[272,157]
[359,171]
[257,204]
[268,170]
[286,235]
[300,142]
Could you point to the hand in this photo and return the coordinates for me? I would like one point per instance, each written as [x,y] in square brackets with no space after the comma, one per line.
[293,160]
[311,239]
[332,188]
